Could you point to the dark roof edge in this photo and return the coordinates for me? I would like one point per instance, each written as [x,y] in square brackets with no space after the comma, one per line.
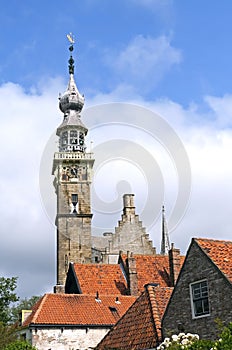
[49,325]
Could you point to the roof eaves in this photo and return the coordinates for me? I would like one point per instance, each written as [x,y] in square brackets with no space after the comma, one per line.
[66,325]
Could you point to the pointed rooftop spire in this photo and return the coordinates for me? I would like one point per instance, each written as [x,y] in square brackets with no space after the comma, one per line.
[71,100]
[165,244]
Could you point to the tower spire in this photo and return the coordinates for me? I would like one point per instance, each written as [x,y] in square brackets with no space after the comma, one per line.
[165,244]
[72,131]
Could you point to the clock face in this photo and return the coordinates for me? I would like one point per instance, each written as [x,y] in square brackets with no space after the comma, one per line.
[73,171]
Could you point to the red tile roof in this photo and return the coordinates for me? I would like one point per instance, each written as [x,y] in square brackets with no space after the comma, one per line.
[78,309]
[220,252]
[140,327]
[152,269]
[104,278]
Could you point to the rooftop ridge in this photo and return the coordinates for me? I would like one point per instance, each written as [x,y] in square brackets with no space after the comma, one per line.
[212,240]
[154,310]
[37,310]
[153,290]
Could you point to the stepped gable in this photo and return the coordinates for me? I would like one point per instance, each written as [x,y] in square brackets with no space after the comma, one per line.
[103,278]
[140,327]
[129,235]
[220,253]
[78,309]
[151,269]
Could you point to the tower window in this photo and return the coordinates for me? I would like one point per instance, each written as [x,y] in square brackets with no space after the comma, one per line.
[73,137]
[74,201]
[64,139]
[81,139]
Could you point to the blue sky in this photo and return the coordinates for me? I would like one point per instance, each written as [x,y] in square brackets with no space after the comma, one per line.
[171,57]
[33,43]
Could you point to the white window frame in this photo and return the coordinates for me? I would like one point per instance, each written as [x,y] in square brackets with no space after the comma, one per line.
[201,298]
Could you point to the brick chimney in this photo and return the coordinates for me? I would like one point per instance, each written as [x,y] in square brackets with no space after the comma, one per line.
[174,264]
[132,274]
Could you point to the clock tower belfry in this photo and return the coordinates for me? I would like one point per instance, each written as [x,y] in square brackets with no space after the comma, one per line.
[72,170]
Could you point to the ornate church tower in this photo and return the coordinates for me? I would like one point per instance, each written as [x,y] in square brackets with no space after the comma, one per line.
[72,169]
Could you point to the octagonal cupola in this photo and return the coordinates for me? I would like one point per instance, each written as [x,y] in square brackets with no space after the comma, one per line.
[72,131]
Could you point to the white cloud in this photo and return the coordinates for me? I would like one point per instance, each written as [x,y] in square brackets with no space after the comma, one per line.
[27,238]
[145,61]
[27,245]
[222,108]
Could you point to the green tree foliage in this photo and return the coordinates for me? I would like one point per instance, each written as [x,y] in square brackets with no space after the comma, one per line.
[23,304]
[19,345]
[202,345]
[7,334]
[225,340]
[7,296]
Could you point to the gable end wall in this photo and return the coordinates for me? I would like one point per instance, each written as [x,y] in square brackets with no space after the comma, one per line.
[178,315]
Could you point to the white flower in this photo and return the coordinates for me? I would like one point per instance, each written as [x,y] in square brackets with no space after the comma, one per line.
[175,337]
[166,340]
[185,342]
[180,335]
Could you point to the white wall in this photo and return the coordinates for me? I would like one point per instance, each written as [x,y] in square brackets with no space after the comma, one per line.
[68,339]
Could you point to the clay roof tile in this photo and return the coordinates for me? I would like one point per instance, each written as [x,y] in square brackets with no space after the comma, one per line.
[78,309]
[220,252]
[140,327]
[104,278]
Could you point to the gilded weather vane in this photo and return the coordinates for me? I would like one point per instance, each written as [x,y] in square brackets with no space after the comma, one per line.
[71,38]
[71,60]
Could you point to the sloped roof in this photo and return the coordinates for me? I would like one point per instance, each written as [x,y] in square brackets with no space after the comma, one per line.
[78,310]
[140,327]
[220,252]
[103,278]
[152,269]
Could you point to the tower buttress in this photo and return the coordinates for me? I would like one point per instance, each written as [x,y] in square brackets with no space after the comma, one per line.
[72,170]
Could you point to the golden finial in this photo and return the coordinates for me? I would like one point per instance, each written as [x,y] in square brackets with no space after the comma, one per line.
[71,38]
